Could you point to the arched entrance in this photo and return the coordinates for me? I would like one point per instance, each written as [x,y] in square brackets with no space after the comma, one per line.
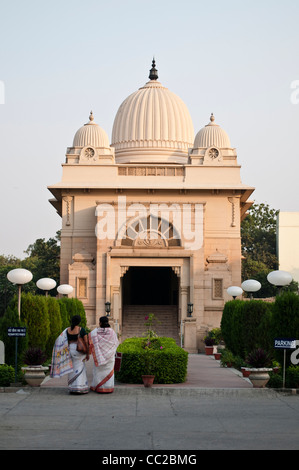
[150,290]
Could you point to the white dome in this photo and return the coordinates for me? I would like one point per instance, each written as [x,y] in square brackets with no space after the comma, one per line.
[152,125]
[212,136]
[91,134]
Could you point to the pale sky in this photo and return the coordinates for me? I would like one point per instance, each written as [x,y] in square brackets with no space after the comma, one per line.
[61,59]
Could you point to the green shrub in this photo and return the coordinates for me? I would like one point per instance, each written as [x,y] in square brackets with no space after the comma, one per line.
[34,313]
[73,307]
[55,323]
[292,377]
[63,314]
[7,375]
[169,361]
[246,325]
[11,318]
[285,321]
[228,321]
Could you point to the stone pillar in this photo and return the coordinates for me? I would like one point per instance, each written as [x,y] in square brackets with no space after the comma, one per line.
[190,343]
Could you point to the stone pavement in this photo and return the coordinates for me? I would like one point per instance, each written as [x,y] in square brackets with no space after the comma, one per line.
[215,409]
[203,372]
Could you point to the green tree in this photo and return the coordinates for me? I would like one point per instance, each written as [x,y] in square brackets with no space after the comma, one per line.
[44,260]
[258,235]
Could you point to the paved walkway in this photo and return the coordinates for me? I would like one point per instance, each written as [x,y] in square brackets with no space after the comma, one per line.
[203,372]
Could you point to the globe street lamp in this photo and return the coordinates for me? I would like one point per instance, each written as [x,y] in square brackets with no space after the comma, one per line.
[19,277]
[65,289]
[279,279]
[251,285]
[234,291]
[46,284]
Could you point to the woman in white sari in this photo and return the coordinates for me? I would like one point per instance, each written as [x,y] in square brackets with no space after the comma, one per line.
[67,360]
[103,343]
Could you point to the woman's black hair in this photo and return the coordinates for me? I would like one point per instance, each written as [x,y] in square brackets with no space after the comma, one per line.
[75,321]
[104,323]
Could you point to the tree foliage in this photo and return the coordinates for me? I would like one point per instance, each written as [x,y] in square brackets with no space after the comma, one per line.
[43,260]
[259,248]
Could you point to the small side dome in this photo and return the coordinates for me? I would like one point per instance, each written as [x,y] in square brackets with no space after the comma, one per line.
[212,136]
[91,134]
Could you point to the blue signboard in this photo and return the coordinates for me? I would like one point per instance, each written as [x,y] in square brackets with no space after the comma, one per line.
[284,343]
[16,331]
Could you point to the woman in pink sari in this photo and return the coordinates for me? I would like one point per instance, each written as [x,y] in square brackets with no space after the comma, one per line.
[103,344]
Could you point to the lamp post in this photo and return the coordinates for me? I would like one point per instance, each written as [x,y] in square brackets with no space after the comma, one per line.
[279,279]
[19,277]
[107,308]
[46,284]
[234,291]
[251,285]
[65,289]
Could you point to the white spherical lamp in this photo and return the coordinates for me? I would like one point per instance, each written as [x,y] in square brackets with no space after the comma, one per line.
[65,289]
[46,284]
[251,285]
[279,278]
[19,276]
[234,291]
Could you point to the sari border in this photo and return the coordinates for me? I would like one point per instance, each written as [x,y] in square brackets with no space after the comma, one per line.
[103,390]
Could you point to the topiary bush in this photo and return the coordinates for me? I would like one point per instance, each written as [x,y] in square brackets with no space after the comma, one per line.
[73,307]
[246,325]
[285,320]
[55,323]
[169,361]
[34,313]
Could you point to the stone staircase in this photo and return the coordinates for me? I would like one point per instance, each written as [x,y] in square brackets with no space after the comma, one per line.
[166,323]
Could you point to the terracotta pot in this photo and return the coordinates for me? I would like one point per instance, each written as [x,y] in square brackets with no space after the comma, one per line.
[217,356]
[148,380]
[245,372]
[35,375]
[259,377]
[209,350]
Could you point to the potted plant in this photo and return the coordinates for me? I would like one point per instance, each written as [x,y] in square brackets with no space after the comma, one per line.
[147,365]
[217,354]
[227,358]
[150,342]
[259,361]
[209,345]
[34,370]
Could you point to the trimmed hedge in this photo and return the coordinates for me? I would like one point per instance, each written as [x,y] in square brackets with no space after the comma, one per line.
[44,318]
[246,325]
[252,324]
[169,363]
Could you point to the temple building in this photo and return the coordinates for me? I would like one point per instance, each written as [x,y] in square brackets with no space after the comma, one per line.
[151,219]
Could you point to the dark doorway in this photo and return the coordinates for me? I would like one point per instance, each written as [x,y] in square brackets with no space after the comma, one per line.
[150,286]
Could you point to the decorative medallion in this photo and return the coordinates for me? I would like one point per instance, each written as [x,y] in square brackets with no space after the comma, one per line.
[213,153]
[89,152]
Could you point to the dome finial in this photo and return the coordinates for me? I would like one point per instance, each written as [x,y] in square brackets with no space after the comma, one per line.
[153,72]
[91,116]
[212,118]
